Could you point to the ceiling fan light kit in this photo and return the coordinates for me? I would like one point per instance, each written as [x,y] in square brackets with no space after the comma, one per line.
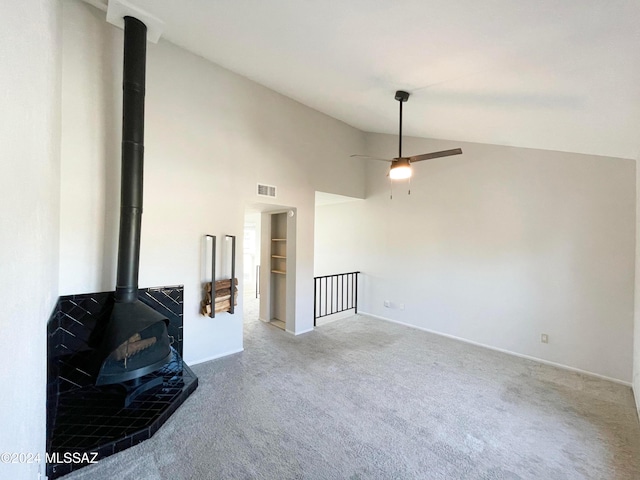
[400,168]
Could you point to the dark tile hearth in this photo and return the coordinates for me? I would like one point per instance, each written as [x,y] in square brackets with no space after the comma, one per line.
[84,418]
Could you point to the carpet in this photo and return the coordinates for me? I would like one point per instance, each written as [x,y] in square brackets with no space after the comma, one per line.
[360,398]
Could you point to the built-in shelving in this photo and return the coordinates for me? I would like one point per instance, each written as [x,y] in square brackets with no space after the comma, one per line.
[278,278]
[278,256]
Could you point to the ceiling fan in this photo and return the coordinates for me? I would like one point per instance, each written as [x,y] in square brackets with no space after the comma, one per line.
[401,166]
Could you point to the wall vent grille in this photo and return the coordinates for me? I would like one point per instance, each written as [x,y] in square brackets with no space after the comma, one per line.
[266,190]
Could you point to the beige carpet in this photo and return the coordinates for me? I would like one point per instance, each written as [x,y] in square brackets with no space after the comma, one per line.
[361,398]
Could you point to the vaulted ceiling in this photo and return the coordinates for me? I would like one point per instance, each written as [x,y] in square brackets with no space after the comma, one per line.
[532,73]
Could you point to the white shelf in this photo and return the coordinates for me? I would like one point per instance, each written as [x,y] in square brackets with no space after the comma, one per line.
[278,323]
[279,271]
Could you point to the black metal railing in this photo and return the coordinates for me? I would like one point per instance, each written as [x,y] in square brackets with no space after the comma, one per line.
[334,294]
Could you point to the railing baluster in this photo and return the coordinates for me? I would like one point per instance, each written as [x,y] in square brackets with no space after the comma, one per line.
[331,300]
[353,282]
[325,296]
[320,298]
[335,296]
[355,291]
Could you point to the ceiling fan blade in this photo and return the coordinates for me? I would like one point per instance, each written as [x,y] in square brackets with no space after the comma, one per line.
[372,158]
[429,156]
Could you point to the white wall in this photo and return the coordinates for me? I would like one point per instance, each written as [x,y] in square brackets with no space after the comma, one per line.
[210,137]
[29,221]
[500,245]
[338,228]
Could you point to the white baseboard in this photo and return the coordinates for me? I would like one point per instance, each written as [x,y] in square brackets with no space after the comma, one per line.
[303,331]
[636,398]
[334,317]
[502,350]
[219,355]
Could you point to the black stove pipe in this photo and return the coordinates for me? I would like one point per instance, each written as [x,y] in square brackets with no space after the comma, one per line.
[133,86]
[135,340]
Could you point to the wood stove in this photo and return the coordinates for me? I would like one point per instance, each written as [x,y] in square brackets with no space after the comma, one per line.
[115,370]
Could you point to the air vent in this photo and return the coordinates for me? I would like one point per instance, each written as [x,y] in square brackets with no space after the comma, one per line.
[266,190]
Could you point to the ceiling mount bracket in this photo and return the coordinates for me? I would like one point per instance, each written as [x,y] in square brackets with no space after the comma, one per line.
[402,96]
[118,9]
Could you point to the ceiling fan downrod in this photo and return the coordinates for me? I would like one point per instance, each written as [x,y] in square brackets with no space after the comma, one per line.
[401,96]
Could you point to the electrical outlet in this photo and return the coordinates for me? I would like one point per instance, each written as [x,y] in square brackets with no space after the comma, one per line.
[387,303]
[544,338]
[402,306]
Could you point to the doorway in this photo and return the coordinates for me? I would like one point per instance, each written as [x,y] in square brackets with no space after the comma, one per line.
[269,265]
